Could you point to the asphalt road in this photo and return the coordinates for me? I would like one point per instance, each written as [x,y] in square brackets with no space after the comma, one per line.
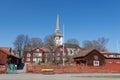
[26,76]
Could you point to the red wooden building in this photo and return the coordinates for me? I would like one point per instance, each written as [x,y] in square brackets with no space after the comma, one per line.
[96,58]
[3,57]
[7,56]
[36,55]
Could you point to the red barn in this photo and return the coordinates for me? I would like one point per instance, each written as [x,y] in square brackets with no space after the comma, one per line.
[96,58]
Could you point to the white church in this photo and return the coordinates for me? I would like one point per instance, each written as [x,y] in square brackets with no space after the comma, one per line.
[58,38]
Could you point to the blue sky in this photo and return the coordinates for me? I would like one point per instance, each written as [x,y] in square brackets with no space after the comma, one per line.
[82,19]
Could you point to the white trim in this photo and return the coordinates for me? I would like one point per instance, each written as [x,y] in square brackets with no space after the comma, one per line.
[96,63]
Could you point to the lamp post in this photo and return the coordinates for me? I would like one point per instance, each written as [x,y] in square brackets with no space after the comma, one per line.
[63,48]
[63,56]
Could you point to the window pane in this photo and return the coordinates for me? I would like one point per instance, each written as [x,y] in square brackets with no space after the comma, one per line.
[95,63]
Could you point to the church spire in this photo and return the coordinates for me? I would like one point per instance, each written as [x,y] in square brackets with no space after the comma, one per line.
[58,24]
[57,31]
[58,36]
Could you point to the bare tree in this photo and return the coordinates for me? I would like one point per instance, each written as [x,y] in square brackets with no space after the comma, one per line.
[20,43]
[88,44]
[36,42]
[27,42]
[72,41]
[102,43]
[99,44]
[49,42]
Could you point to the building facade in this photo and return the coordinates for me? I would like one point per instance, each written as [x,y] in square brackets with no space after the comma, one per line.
[36,55]
[96,58]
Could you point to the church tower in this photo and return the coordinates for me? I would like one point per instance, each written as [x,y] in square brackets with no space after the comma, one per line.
[58,36]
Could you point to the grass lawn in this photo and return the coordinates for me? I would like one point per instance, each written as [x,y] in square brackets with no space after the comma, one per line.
[110,76]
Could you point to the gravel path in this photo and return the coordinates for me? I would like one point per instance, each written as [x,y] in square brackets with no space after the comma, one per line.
[25,76]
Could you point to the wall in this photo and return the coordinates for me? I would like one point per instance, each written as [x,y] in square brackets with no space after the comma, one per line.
[75,69]
[3,57]
[2,69]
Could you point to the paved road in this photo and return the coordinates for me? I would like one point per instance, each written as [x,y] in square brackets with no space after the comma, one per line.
[24,76]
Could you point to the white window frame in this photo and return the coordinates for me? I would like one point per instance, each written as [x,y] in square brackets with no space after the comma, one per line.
[96,63]
[37,54]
